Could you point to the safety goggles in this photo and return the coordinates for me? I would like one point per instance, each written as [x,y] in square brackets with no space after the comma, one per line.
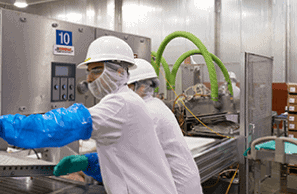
[95,71]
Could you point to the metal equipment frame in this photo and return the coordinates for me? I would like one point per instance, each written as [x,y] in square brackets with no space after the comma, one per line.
[252,65]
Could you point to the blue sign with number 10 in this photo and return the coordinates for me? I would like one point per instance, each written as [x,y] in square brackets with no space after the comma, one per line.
[63,38]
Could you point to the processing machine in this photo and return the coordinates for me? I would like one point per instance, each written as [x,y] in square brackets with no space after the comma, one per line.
[213,114]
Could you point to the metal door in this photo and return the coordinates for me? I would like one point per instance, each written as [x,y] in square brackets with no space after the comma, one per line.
[256,107]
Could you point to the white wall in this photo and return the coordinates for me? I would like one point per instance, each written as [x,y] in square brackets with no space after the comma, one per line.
[257,26]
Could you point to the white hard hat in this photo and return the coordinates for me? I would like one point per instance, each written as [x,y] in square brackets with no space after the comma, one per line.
[109,48]
[144,71]
[232,75]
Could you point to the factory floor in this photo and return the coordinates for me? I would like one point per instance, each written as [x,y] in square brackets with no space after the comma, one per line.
[269,186]
[272,185]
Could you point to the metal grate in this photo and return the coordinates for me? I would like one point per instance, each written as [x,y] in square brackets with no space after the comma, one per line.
[259,93]
[35,185]
[15,166]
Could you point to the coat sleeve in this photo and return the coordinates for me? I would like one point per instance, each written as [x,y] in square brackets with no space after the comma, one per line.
[109,117]
[55,128]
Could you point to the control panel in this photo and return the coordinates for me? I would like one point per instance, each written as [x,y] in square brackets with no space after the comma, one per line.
[63,82]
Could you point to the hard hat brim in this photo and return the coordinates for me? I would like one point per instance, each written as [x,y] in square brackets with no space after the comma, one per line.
[84,65]
[140,78]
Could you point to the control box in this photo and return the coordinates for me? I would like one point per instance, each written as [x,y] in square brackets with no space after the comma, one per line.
[63,82]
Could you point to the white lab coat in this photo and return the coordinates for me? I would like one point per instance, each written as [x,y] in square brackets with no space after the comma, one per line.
[183,167]
[236,91]
[131,158]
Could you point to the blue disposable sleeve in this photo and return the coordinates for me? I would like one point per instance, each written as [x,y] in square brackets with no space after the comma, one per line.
[55,128]
[93,168]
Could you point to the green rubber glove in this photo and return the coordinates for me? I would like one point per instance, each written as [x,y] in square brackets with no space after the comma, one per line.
[70,164]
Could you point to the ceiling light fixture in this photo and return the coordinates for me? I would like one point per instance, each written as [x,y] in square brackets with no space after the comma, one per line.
[20,3]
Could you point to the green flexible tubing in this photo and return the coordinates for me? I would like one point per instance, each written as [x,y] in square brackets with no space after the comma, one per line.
[214,58]
[157,70]
[164,64]
[204,53]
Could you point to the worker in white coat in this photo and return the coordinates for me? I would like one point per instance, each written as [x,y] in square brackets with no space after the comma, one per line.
[131,158]
[236,95]
[236,90]
[143,81]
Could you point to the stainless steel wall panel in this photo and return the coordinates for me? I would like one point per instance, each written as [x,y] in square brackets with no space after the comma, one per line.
[26,63]
[172,20]
[75,11]
[199,20]
[157,19]
[292,67]
[91,13]
[54,10]
[230,31]
[257,26]
[279,40]
[131,16]
[98,14]
[247,26]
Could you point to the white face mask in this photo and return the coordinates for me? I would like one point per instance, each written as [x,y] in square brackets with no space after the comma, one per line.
[109,81]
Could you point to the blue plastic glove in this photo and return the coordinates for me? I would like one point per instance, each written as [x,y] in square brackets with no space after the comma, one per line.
[93,168]
[55,128]
[70,164]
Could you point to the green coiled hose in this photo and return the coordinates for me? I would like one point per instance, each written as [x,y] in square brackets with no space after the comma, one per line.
[206,55]
[214,58]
